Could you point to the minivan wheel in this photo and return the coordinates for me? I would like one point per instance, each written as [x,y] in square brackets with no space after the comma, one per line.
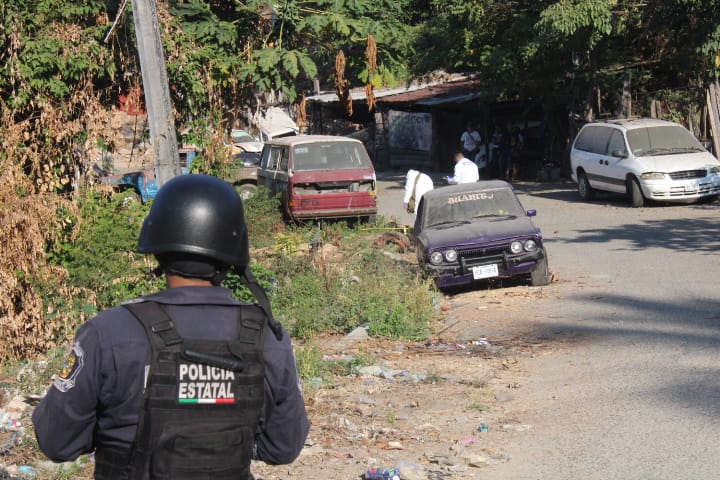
[586,192]
[635,193]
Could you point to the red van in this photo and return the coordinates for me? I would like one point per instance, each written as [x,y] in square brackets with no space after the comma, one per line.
[320,176]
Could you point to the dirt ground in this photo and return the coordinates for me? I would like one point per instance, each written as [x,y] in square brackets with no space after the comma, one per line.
[439,409]
[442,408]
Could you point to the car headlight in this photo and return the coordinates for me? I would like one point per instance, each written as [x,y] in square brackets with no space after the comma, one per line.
[653,176]
[436,258]
[516,246]
[530,245]
[451,255]
[713,170]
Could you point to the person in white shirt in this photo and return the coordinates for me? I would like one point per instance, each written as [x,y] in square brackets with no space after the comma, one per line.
[419,183]
[471,141]
[465,171]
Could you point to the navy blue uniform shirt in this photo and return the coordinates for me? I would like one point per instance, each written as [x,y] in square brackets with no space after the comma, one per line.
[96,398]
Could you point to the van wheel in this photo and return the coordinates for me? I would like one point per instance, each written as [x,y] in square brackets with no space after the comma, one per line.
[368,220]
[587,193]
[246,190]
[635,193]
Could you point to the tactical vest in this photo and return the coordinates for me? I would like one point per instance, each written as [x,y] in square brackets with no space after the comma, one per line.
[201,404]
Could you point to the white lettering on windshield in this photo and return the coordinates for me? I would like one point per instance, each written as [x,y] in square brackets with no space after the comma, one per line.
[470,197]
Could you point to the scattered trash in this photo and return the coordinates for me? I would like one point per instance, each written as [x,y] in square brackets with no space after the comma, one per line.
[27,471]
[481,341]
[484,427]
[382,473]
[337,357]
[515,427]
[410,471]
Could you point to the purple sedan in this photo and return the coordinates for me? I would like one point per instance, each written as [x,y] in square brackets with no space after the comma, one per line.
[478,231]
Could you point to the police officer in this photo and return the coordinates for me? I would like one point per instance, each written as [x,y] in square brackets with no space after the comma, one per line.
[188,382]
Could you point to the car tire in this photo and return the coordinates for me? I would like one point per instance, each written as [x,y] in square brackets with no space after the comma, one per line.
[635,193]
[586,192]
[540,276]
[246,190]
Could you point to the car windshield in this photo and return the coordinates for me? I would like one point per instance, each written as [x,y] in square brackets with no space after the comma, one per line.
[495,204]
[329,156]
[241,137]
[662,140]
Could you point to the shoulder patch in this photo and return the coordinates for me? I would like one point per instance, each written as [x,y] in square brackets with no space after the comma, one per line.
[70,369]
[134,300]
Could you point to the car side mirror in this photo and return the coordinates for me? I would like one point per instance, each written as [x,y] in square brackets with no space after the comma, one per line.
[531,213]
[619,153]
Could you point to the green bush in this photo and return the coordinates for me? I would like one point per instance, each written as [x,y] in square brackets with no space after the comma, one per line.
[309,293]
[98,249]
[363,287]
[263,217]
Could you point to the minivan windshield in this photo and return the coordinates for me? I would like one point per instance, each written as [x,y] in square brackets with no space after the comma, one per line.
[662,140]
[329,156]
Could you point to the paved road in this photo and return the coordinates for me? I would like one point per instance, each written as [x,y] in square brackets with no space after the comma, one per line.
[638,396]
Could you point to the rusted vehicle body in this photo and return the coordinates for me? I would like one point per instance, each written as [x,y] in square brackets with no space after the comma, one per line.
[318,176]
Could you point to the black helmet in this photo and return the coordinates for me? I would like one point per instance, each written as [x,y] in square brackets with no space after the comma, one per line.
[197,214]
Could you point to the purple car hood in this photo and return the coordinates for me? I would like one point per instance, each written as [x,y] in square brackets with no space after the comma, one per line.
[478,231]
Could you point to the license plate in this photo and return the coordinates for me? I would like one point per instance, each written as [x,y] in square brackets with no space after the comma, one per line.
[485,271]
[692,187]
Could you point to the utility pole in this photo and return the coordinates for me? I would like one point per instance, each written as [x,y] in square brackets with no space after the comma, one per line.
[157,91]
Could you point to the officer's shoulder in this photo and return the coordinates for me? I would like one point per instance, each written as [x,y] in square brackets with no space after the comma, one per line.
[112,318]
[132,301]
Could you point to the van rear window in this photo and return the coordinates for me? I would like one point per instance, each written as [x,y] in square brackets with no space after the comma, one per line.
[330,156]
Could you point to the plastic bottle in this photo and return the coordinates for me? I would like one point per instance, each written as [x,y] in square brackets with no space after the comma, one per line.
[382,473]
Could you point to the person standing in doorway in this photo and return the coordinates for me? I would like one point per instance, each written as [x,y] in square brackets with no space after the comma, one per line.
[470,140]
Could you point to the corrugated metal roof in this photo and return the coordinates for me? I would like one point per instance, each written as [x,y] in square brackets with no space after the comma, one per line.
[458,89]
[449,92]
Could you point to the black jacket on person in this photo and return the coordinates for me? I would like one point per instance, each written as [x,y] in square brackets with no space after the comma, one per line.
[96,399]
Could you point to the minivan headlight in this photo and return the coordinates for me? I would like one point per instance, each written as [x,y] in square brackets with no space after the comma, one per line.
[653,176]
[713,170]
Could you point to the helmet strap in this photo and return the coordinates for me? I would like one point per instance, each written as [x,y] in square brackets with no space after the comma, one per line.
[252,284]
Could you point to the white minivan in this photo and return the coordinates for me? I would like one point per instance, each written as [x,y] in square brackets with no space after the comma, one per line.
[648,159]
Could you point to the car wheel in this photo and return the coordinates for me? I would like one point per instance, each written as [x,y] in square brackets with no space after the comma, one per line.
[540,276]
[246,190]
[586,192]
[635,193]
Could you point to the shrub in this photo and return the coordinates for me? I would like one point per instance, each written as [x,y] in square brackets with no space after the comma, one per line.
[264,219]
[360,286]
[99,253]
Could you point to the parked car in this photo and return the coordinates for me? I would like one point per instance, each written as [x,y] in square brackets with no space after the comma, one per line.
[647,159]
[320,176]
[478,231]
[142,185]
[242,141]
[242,173]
